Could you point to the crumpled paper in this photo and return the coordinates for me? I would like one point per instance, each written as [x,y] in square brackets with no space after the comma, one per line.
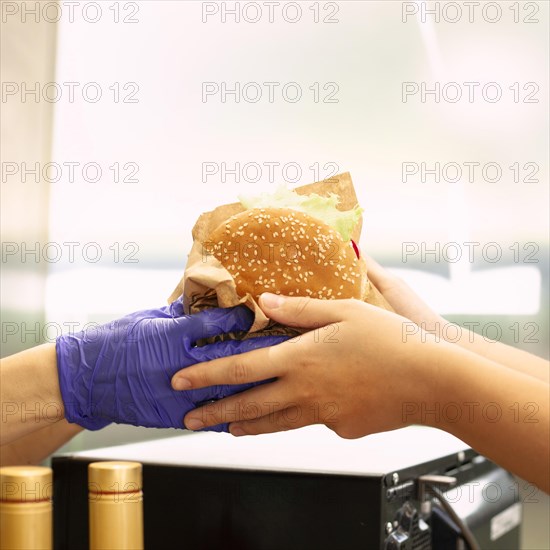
[206,283]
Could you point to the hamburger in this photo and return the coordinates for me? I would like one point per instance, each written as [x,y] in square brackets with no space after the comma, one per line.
[286,243]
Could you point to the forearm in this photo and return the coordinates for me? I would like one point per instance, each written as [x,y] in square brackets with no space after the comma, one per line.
[29,392]
[34,448]
[500,412]
[513,358]
[409,305]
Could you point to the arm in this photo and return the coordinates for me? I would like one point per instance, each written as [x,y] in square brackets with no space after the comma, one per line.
[119,372]
[29,392]
[406,303]
[362,376]
[34,448]
[495,409]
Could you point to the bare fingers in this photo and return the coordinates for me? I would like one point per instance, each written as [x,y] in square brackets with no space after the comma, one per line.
[253,366]
[290,418]
[251,404]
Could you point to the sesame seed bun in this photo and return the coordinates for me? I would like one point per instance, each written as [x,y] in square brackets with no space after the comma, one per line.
[285,251]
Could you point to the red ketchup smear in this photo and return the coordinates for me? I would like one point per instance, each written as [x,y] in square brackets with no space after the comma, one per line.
[355,248]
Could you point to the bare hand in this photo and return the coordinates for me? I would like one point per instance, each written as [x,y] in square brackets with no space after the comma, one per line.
[352,372]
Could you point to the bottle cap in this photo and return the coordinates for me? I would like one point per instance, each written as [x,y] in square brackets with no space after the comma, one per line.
[107,477]
[25,484]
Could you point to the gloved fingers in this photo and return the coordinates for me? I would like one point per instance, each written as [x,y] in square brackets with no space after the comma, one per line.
[176,307]
[212,322]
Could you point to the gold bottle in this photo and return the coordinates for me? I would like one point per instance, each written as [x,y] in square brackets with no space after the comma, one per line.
[25,508]
[115,506]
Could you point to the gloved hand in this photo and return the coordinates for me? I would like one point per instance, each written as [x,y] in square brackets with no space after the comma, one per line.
[121,371]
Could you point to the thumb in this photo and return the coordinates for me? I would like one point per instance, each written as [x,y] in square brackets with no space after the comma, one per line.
[301,312]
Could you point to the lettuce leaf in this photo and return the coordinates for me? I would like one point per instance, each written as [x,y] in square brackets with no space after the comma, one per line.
[322,208]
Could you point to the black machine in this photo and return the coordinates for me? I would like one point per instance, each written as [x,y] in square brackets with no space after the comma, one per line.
[415,488]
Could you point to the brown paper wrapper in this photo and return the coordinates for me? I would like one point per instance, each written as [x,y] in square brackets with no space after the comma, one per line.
[206,283]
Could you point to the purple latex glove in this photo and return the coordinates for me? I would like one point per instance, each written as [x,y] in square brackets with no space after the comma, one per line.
[121,372]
